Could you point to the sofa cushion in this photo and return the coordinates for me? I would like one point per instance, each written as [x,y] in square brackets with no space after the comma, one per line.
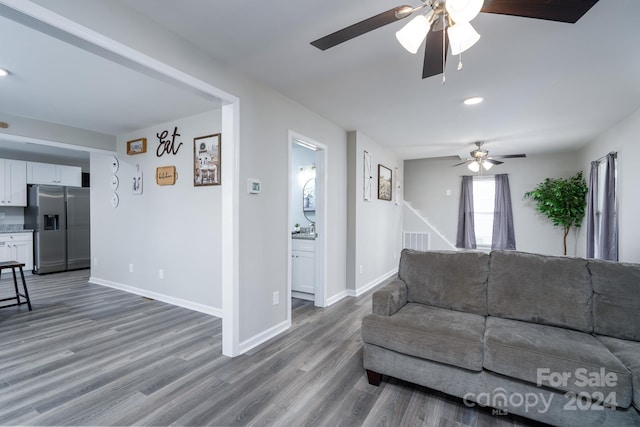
[540,354]
[433,333]
[541,289]
[616,298]
[446,279]
[628,352]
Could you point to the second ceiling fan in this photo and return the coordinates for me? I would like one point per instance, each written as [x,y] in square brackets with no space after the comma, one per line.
[447,21]
[480,158]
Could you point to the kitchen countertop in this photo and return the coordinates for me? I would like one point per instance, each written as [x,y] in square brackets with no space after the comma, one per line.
[15,231]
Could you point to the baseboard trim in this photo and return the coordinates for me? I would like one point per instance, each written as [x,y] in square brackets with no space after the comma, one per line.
[334,299]
[213,311]
[372,284]
[263,337]
[303,295]
[362,289]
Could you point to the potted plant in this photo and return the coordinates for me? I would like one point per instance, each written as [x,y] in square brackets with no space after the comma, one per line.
[563,201]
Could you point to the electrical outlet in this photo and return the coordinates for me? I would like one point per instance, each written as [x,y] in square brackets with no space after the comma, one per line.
[360,268]
[95,261]
[276,298]
[161,273]
[130,268]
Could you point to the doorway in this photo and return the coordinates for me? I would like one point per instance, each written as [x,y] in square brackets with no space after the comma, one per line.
[306,220]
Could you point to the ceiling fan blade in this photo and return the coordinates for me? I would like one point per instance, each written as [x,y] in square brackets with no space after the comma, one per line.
[551,10]
[493,162]
[444,158]
[510,156]
[434,61]
[361,27]
[464,163]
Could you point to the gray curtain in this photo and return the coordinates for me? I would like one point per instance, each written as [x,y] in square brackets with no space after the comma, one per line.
[609,225]
[466,234]
[602,233]
[592,210]
[503,236]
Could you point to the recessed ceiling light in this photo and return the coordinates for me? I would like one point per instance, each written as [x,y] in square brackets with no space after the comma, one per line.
[474,100]
[3,72]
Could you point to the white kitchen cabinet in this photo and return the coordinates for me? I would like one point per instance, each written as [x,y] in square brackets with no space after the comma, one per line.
[17,247]
[303,266]
[13,183]
[52,174]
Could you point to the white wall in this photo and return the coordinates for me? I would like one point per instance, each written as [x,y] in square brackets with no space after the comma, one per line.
[427,183]
[7,151]
[375,227]
[266,117]
[176,228]
[68,136]
[622,138]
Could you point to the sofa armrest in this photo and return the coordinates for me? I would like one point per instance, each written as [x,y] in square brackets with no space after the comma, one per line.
[390,298]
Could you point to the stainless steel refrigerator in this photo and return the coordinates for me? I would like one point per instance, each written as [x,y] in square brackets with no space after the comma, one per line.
[60,219]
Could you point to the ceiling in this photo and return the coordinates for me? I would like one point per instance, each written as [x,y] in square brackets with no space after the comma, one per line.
[547,86]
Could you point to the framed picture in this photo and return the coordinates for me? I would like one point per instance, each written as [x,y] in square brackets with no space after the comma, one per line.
[397,195]
[206,160]
[166,175]
[384,183]
[367,177]
[137,146]
[136,185]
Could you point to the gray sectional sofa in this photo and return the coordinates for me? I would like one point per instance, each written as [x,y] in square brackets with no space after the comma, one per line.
[555,339]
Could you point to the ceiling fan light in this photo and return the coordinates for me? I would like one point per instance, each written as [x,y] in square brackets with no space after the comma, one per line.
[461,37]
[413,33]
[474,166]
[487,165]
[463,10]
[473,100]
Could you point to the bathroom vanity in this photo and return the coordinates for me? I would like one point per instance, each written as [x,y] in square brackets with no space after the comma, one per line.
[303,266]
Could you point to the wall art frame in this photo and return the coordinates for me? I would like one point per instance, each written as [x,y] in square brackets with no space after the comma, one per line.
[166,175]
[367,176]
[385,182]
[137,146]
[207,160]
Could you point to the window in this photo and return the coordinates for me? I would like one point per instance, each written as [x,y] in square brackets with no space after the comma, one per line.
[484,190]
[485,217]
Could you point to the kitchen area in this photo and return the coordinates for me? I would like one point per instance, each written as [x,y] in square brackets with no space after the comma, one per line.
[44,213]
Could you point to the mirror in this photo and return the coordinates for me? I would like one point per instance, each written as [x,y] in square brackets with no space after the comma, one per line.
[309,200]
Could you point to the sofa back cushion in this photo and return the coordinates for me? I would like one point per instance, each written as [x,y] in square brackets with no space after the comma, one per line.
[616,299]
[446,279]
[548,290]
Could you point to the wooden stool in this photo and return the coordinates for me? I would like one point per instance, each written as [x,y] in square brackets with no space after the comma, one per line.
[13,265]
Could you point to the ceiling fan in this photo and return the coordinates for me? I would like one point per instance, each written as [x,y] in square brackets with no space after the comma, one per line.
[453,16]
[480,157]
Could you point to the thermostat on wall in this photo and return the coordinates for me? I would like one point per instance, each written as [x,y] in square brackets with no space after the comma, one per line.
[253,186]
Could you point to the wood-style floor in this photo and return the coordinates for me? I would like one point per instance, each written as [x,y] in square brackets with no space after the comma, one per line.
[91,355]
